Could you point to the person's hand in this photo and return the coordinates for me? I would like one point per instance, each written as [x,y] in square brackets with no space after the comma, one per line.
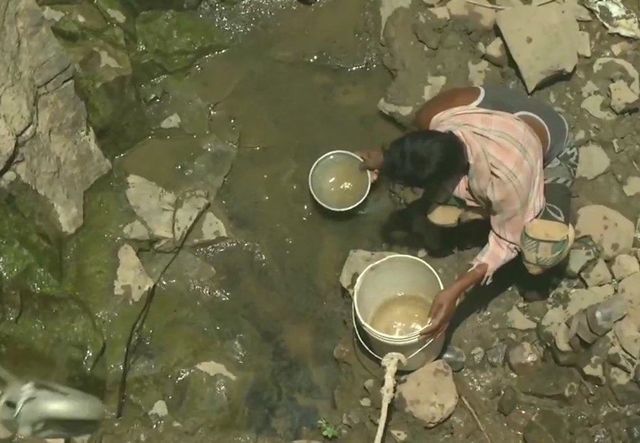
[442,309]
[371,161]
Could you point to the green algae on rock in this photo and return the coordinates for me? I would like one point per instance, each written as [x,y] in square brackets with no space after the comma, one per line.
[175,40]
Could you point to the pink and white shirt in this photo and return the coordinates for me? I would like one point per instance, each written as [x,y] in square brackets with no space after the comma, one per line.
[505,176]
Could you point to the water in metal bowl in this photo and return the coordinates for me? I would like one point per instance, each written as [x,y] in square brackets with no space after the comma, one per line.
[337,182]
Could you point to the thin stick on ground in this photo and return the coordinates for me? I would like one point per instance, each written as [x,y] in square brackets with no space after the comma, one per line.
[475,417]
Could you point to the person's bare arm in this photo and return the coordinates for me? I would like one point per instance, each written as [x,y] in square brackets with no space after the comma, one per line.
[445,100]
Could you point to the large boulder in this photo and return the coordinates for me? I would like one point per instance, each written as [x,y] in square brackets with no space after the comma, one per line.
[44,117]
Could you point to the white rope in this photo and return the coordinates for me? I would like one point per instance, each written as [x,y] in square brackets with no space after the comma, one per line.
[390,364]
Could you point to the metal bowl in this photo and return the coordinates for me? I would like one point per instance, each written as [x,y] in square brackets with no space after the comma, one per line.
[337,183]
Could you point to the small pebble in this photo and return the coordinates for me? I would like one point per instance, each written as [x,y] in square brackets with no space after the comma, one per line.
[477,355]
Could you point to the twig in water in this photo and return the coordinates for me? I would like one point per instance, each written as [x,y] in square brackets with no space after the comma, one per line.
[475,417]
[140,319]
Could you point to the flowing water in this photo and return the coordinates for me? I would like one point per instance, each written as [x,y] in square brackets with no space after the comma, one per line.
[272,311]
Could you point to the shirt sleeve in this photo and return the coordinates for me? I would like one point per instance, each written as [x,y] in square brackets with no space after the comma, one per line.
[509,215]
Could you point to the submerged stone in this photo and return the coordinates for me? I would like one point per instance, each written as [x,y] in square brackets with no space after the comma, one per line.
[191,37]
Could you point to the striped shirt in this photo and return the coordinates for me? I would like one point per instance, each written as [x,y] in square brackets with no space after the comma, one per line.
[505,176]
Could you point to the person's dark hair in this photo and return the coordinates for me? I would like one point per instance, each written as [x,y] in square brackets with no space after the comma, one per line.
[424,158]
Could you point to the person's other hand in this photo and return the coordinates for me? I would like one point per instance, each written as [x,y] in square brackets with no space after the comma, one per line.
[442,309]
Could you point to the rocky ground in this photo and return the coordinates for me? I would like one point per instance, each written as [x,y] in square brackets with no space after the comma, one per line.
[109,92]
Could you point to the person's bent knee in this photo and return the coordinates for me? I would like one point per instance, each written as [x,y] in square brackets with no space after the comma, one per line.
[545,244]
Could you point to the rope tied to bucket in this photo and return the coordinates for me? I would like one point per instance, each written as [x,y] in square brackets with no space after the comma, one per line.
[390,365]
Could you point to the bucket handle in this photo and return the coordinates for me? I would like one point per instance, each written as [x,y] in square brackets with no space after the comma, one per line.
[355,328]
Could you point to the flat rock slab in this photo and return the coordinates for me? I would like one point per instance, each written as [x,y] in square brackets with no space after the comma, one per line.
[608,228]
[543,40]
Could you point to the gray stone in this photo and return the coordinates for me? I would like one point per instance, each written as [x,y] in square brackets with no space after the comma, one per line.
[578,260]
[543,40]
[593,162]
[583,330]
[608,228]
[549,382]
[429,394]
[496,355]
[598,275]
[629,289]
[523,359]
[455,358]
[627,392]
[603,316]
[154,205]
[623,98]
[508,401]
[496,53]
[60,157]
[628,335]
[624,265]
[593,370]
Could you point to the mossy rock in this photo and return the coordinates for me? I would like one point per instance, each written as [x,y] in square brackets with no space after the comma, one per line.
[175,40]
[77,21]
[117,12]
[53,337]
[177,5]
[27,256]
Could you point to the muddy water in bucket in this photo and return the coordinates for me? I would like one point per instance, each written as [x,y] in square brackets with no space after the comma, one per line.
[339,182]
[401,315]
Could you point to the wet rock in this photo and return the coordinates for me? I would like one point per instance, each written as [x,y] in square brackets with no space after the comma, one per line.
[132,282]
[191,37]
[508,401]
[429,394]
[72,21]
[209,230]
[608,228]
[547,426]
[627,392]
[584,44]
[623,98]
[543,40]
[632,186]
[624,265]
[524,359]
[578,260]
[186,214]
[598,275]
[593,162]
[577,301]
[496,355]
[154,205]
[455,358]
[628,335]
[481,16]
[593,370]
[602,317]
[559,383]
[356,262]
[136,231]
[496,53]
[517,320]
[582,328]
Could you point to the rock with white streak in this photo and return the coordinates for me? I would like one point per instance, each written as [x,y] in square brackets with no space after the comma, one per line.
[543,40]
[132,281]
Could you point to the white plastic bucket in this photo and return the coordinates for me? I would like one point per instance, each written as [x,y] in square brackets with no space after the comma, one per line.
[379,282]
